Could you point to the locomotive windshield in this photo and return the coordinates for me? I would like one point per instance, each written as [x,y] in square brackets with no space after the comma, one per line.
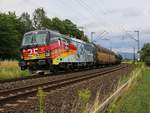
[38,38]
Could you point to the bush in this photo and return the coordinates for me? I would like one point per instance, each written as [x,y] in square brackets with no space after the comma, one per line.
[147,60]
[10,70]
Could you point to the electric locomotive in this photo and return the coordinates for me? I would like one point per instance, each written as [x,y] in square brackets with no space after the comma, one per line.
[46,49]
[50,50]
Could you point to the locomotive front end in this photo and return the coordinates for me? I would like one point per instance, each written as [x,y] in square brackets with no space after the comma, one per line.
[34,50]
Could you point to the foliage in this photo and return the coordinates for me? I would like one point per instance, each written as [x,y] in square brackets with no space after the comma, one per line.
[41,98]
[39,17]
[12,29]
[10,70]
[136,99]
[25,18]
[66,27]
[145,53]
[84,96]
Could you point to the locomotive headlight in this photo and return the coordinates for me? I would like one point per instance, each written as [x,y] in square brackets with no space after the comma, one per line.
[47,53]
[28,63]
[21,56]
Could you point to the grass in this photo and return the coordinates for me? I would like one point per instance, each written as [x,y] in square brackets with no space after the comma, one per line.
[84,96]
[81,104]
[41,98]
[10,70]
[137,99]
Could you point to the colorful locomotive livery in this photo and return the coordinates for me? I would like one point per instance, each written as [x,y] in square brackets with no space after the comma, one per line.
[46,49]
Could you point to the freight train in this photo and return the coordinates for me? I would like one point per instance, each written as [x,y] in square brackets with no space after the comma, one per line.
[50,50]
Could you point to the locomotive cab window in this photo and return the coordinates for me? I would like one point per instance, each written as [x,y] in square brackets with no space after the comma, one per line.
[54,37]
[35,38]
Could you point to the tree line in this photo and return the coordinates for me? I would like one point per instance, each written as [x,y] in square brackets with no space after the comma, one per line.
[12,29]
[145,53]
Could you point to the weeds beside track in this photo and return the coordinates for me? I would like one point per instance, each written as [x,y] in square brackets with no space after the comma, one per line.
[110,101]
[10,70]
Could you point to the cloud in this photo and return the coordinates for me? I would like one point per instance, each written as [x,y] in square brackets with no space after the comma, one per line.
[131,12]
[148,11]
[147,31]
[124,50]
[112,11]
[124,12]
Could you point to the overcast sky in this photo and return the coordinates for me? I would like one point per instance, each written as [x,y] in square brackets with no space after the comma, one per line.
[113,16]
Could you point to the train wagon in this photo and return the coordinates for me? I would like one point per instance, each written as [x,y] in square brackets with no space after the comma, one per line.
[105,56]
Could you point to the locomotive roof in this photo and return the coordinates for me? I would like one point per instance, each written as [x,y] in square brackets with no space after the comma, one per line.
[77,40]
[35,31]
[103,49]
[57,33]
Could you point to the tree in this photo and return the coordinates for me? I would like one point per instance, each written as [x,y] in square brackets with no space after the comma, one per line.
[10,35]
[145,53]
[25,19]
[58,25]
[39,17]
[65,27]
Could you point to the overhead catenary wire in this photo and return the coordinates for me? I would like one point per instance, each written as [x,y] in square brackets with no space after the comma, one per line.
[87,9]
[94,13]
[102,10]
[63,3]
[83,4]
[91,13]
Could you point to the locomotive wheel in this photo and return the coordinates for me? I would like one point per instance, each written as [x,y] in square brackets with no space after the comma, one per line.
[31,72]
[53,69]
[41,73]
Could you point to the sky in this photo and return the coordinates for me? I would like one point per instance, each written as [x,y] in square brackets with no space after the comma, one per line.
[115,20]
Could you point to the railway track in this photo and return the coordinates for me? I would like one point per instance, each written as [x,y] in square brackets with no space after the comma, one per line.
[13,95]
[47,74]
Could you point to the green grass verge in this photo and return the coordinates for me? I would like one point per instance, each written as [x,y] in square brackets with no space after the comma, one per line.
[10,70]
[137,99]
